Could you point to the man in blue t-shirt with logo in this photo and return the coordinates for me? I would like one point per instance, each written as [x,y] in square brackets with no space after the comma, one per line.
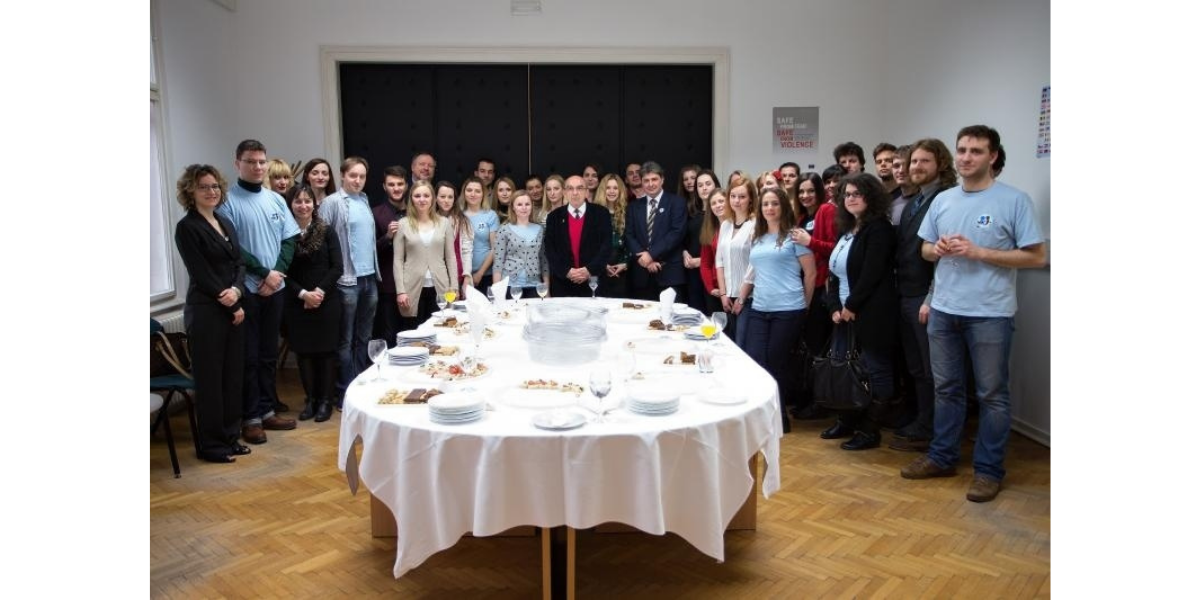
[979,234]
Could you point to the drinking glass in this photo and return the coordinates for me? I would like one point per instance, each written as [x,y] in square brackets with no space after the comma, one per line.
[441,302]
[708,328]
[542,290]
[376,350]
[720,319]
[516,291]
[450,296]
[593,282]
[491,295]
[600,383]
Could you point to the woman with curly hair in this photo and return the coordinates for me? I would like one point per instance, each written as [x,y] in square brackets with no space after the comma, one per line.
[611,194]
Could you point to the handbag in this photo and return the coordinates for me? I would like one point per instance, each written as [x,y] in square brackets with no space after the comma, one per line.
[839,380]
[169,355]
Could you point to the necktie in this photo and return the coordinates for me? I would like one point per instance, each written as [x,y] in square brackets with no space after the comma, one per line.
[650,220]
[913,207]
[577,214]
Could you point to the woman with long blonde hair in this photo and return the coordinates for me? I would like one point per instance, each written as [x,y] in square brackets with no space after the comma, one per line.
[611,194]
[425,263]
[552,198]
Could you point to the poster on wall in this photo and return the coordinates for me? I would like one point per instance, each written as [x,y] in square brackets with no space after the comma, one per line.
[1043,139]
[794,134]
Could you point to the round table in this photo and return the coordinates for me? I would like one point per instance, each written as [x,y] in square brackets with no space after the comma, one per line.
[685,472]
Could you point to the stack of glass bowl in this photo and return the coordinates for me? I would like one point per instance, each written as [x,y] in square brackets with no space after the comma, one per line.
[564,333]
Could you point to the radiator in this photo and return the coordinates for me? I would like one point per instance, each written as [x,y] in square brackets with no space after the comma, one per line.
[172,322]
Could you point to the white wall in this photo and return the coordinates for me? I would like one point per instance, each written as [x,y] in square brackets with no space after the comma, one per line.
[878,70]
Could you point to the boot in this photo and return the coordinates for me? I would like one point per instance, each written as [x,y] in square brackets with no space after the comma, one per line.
[309,410]
[324,411]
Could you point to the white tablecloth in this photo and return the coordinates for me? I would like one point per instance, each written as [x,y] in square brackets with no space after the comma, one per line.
[685,473]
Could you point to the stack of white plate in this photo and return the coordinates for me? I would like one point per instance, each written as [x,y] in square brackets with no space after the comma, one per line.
[455,408]
[686,316]
[428,336]
[694,334]
[653,402]
[408,356]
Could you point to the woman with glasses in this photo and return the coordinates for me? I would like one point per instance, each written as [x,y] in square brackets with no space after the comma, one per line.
[862,294]
[213,314]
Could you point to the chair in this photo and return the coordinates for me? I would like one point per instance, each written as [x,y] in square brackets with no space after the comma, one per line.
[175,384]
[157,404]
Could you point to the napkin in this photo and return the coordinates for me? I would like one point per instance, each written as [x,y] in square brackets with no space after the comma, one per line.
[500,290]
[479,310]
[665,300]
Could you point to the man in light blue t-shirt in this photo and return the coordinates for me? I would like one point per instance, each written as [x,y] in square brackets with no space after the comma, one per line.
[979,234]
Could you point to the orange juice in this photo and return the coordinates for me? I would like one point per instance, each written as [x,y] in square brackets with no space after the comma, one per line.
[450,295]
[708,329]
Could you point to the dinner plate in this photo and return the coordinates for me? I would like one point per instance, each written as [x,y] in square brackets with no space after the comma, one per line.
[559,420]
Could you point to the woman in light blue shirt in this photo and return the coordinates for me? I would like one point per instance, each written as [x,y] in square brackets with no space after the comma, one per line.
[781,278]
[484,225]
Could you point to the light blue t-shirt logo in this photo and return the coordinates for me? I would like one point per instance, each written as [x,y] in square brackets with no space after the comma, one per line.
[983,221]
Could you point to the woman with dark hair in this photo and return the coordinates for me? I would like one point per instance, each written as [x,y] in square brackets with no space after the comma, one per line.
[212,313]
[446,205]
[611,194]
[714,215]
[782,276]
[484,225]
[862,292]
[318,175]
[313,317]
[816,229]
[591,178]
[691,236]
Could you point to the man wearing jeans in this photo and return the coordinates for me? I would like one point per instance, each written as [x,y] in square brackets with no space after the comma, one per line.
[268,233]
[979,234]
[349,214]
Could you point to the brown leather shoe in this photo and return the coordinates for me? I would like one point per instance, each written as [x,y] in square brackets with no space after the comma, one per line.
[278,423]
[983,489]
[254,434]
[924,468]
[909,445]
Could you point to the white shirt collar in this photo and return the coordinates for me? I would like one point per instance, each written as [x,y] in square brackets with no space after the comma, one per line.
[582,209]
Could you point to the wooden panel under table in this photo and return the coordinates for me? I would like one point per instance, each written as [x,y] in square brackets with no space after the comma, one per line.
[383,523]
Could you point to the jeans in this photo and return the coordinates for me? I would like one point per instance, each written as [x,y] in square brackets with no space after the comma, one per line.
[988,341]
[263,317]
[358,316]
[915,338]
[740,322]
[770,337]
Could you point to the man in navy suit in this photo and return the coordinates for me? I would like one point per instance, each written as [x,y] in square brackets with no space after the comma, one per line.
[654,228]
[578,241]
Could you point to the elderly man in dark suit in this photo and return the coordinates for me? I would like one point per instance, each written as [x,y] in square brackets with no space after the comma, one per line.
[578,241]
[654,230]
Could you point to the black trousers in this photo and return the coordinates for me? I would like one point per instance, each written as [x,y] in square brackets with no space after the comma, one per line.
[318,374]
[426,305]
[218,348]
[263,318]
[388,321]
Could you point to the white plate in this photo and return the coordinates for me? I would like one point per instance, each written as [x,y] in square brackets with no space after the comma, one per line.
[417,334]
[408,352]
[559,420]
[450,403]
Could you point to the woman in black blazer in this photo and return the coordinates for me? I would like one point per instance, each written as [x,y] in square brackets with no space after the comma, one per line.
[208,245]
[312,309]
[862,290]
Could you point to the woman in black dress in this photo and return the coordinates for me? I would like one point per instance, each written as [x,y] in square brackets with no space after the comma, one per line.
[312,309]
[213,313]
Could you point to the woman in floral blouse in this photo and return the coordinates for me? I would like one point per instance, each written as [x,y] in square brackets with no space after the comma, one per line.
[519,252]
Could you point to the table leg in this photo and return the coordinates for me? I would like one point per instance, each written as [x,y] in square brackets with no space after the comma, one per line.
[558,563]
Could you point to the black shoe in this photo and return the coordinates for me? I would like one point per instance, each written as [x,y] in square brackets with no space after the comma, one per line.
[913,431]
[861,441]
[281,407]
[812,412]
[239,450]
[216,457]
[308,411]
[324,411]
[837,430]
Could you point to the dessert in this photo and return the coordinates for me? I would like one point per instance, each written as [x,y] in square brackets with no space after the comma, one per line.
[414,396]
[447,322]
[634,305]
[550,384]
[684,359]
[440,369]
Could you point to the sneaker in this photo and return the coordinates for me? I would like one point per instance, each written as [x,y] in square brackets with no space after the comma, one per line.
[924,468]
[983,489]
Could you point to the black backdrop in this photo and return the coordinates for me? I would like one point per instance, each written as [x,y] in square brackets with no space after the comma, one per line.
[539,119]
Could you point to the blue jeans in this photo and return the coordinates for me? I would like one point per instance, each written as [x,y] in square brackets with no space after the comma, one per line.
[770,337]
[263,318]
[358,316]
[987,340]
[740,322]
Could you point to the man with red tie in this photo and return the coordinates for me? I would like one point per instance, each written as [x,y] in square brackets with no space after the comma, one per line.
[578,241]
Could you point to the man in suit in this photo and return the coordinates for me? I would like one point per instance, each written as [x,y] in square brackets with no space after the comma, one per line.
[578,241]
[930,170]
[423,167]
[654,229]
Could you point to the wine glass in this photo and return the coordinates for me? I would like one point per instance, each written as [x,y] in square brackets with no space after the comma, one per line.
[376,349]
[450,295]
[442,302]
[720,319]
[593,282]
[478,327]
[516,291]
[542,290]
[600,383]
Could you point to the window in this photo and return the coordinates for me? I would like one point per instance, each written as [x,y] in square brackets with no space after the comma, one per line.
[162,279]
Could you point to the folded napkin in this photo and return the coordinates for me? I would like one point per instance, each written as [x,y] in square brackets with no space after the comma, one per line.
[500,290]
[479,310]
[665,300]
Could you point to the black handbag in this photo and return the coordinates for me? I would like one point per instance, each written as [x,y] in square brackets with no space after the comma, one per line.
[839,380]
[169,355]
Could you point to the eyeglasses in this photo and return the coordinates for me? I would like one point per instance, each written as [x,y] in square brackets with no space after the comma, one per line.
[854,194]
[580,188]
[256,163]
[209,188]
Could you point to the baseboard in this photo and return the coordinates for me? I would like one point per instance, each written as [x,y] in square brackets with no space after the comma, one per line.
[1034,433]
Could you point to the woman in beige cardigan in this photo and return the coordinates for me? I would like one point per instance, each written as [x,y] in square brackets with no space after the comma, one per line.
[424,263]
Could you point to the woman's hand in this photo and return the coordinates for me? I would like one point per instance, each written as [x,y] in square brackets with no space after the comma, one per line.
[715,292]
[312,300]
[847,315]
[477,277]
[239,316]
[800,236]
[726,303]
[837,316]
[402,300]
[228,297]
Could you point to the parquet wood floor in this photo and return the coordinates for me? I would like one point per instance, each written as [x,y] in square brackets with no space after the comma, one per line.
[282,523]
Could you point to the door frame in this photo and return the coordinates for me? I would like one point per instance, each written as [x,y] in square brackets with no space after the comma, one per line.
[716,57]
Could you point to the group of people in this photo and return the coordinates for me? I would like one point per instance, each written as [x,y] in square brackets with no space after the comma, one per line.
[922,269]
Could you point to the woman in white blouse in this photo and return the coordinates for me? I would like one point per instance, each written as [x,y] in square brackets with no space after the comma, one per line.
[733,252]
[425,263]
[520,255]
